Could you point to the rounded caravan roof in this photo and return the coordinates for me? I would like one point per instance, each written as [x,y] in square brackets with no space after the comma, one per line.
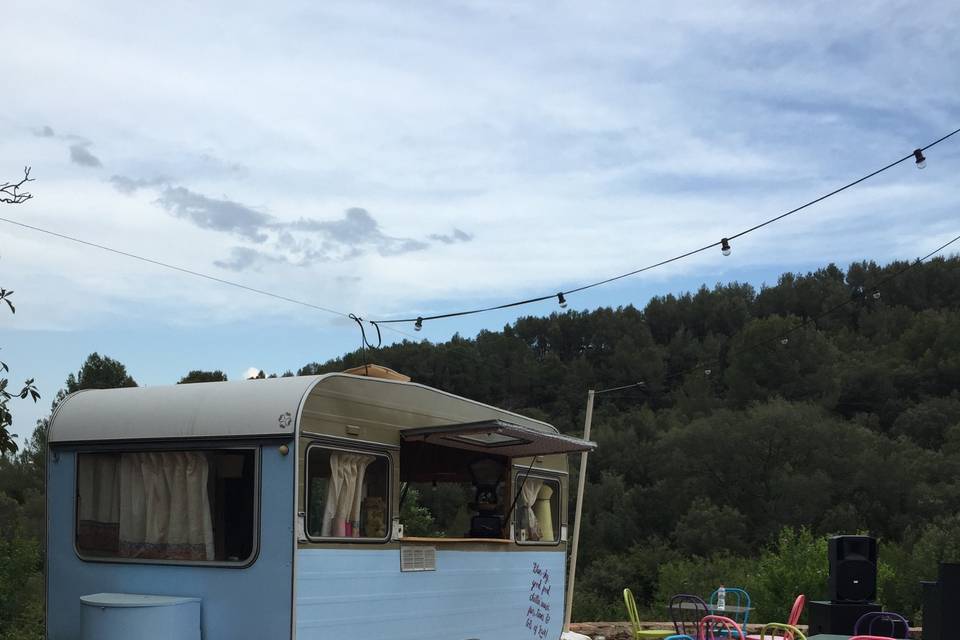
[269,407]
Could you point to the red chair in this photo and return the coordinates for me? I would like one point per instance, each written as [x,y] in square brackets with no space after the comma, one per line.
[794,618]
[719,628]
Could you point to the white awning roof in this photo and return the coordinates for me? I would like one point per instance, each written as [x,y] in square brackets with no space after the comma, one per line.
[204,410]
[275,407]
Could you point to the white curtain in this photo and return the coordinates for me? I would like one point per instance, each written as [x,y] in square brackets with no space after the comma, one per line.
[341,514]
[531,487]
[98,482]
[164,506]
[544,513]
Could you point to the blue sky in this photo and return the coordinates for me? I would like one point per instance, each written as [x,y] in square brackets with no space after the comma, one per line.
[393,162]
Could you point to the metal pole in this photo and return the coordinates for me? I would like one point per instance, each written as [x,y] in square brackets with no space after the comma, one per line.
[581,482]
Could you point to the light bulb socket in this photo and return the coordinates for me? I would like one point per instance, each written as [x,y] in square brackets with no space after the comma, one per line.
[919,158]
[562,301]
[418,325]
[725,247]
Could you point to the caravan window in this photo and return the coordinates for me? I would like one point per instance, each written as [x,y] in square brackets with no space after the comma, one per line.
[537,515]
[184,506]
[347,494]
[453,493]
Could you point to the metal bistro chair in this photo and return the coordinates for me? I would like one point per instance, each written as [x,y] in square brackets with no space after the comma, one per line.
[638,633]
[869,638]
[686,612]
[682,636]
[739,601]
[794,618]
[876,624]
[779,631]
[719,628]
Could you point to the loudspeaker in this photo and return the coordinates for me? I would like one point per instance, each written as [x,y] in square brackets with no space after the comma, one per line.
[932,621]
[837,617]
[853,569]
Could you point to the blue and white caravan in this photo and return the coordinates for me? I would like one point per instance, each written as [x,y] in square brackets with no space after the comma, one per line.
[334,506]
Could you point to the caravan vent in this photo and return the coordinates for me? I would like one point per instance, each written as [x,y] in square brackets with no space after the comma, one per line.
[418,558]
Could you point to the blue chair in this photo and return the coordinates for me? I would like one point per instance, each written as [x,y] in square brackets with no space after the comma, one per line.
[682,636]
[736,606]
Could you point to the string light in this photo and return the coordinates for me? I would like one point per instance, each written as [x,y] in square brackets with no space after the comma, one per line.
[921,161]
[707,372]
[723,243]
[418,325]
[876,293]
[562,301]
[784,340]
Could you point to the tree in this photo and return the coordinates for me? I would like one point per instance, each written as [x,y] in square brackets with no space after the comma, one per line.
[203,376]
[10,193]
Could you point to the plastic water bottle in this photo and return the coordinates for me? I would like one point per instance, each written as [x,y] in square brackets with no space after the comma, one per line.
[721,598]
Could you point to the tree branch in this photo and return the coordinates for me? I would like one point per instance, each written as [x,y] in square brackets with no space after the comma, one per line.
[10,191]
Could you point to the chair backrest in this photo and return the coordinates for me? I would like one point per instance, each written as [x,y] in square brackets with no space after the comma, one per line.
[870,638]
[777,630]
[734,598]
[632,610]
[720,628]
[878,623]
[797,610]
[687,611]
[682,636]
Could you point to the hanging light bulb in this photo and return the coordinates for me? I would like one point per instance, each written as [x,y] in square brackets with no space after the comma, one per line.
[725,247]
[562,301]
[418,325]
[784,340]
[920,160]
[876,293]
[707,372]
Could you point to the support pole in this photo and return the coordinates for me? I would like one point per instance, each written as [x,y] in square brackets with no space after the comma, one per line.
[581,483]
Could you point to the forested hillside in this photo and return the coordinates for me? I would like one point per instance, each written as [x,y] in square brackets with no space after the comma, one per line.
[753,437]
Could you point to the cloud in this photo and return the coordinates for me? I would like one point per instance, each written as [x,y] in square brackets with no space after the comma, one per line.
[242,258]
[44,132]
[357,229]
[129,186]
[457,236]
[216,214]
[79,154]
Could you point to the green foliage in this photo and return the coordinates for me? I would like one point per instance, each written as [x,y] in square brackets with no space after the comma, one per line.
[203,376]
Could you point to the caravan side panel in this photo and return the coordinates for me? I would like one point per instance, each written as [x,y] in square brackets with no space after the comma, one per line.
[250,603]
[472,594]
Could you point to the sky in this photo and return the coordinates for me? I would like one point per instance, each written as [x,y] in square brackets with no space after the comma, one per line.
[399,161]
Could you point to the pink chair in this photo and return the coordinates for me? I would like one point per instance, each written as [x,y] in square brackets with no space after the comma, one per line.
[719,628]
[794,618]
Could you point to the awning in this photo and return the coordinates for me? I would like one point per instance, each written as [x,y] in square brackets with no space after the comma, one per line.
[499,437]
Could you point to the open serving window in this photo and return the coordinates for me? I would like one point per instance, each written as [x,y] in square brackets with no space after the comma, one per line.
[456,480]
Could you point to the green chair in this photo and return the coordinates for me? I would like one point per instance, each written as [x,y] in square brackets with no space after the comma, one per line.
[779,631]
[638,633]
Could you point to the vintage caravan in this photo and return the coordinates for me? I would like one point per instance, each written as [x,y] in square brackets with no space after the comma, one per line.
[334,506]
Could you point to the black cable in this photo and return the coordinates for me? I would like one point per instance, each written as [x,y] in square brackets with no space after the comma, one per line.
[198,274]
[559,294]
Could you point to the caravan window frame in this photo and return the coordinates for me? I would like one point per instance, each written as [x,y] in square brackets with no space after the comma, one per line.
[173,447]
[333,445]
[546,476]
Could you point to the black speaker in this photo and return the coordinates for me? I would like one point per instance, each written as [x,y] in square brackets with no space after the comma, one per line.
[837,617]
[853,569]
[932,621]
